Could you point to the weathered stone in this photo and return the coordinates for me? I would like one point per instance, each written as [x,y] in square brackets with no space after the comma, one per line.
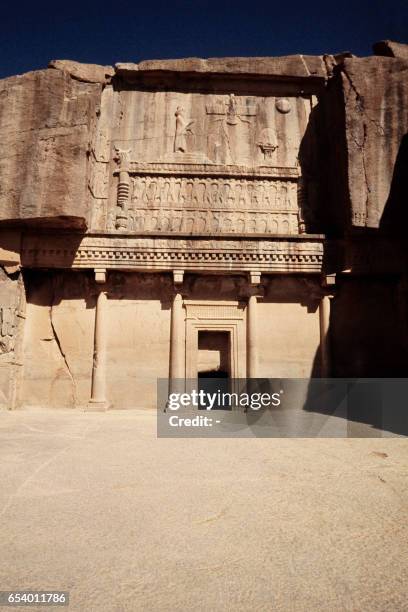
[90,73]
[12,307]
[217,200]
[10,249]
[46,120]
[286,66]
[390,48]
[375,91]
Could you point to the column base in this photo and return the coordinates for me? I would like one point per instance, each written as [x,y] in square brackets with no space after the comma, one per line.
[96,406]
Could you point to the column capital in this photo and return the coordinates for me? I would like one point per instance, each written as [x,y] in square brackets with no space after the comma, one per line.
[255,291]
[100,275]
[254,278]
[251,286]
[248,291]
[328,281]
[178,278]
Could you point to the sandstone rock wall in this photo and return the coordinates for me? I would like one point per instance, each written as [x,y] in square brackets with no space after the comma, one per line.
[366,123]
[369,328]
[247,148]
[58,127]
[46,120]
[58,338]
[12,315]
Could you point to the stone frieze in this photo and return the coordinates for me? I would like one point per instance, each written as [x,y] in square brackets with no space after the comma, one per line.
[162,254]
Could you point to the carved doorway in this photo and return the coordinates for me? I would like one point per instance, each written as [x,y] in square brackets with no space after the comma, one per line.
[214,361]
[225,320]
[214,354]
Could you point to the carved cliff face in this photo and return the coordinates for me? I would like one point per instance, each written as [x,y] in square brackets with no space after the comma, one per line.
[222,146]
[171,161]
[221,129]
[46,124]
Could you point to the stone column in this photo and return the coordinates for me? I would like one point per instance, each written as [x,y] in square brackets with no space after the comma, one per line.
[252,337]
[98,399]
[254,291]
[177,353]
[324,318]
[176,337]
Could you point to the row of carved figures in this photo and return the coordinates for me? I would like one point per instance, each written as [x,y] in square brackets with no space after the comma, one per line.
[203,221]
[211,192]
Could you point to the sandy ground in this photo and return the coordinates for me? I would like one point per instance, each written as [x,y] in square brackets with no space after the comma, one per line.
[96,505]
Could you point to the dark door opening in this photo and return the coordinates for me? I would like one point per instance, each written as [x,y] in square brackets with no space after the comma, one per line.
[214,364]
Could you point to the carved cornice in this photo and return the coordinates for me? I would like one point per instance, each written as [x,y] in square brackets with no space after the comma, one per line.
[221,253]
[165,254]
[210,170]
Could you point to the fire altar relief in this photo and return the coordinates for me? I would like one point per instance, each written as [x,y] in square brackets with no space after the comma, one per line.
[203,164]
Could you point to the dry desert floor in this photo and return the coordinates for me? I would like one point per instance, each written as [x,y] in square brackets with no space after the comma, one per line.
[96,505]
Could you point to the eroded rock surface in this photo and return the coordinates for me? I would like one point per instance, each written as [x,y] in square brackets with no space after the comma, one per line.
[12,307]
[89,73]
[46,120]
[391,49]
[375,91]
[288,65]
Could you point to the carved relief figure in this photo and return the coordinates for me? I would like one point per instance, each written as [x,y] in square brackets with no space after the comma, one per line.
[230,114]
[122,156]
[148,192]
[183,127]
[268,143]
[7,328]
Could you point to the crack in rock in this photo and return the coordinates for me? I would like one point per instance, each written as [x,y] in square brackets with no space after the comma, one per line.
[361,147]
[62,352]
[360,105]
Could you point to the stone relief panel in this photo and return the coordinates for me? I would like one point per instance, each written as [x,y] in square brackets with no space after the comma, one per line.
[193,162]
[201,204]
[216,128]
[213,193]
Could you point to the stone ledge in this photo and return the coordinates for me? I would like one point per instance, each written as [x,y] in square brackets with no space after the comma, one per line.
[390,48]
[89,73]
[285,66]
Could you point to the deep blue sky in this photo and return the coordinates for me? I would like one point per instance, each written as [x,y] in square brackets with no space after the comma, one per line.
[32,33]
